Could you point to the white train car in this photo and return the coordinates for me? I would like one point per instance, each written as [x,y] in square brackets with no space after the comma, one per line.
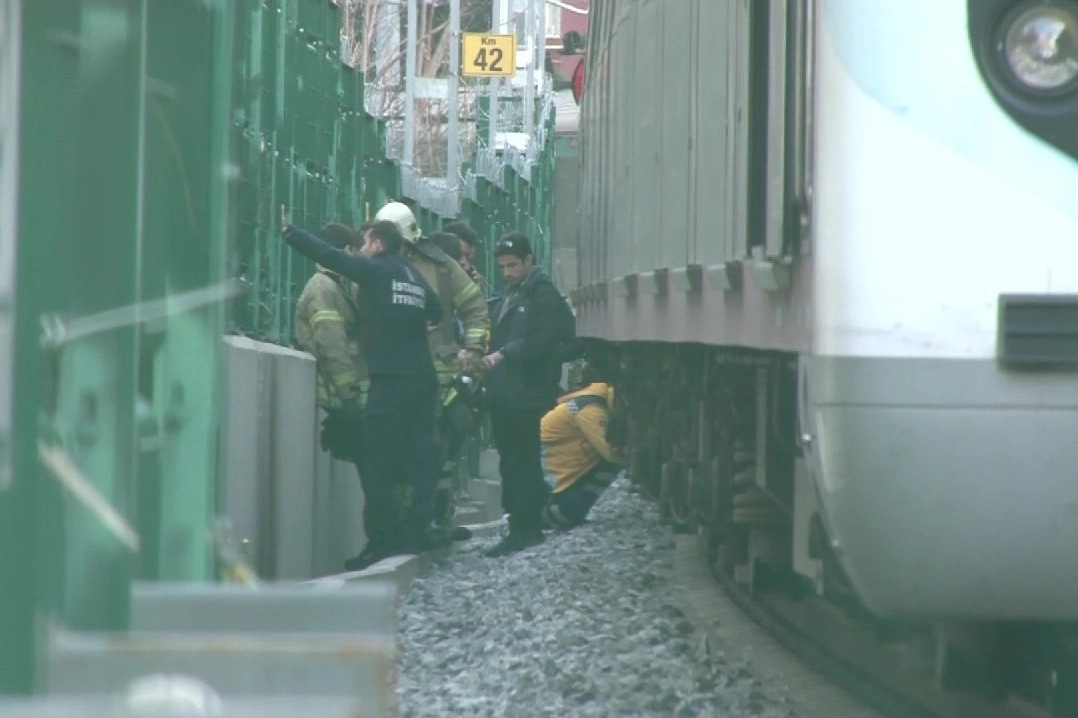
[838,241]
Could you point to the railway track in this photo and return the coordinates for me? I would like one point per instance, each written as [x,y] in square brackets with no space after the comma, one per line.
[872,672]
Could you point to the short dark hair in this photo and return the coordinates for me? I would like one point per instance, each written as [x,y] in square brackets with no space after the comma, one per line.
[514,243]
[448,243]
[464,233]
[389,234]
[337,234]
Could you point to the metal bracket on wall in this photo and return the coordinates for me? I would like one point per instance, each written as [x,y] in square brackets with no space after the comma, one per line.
[655,282]
[688,279]
[625,285]
[725,277]
[71,478]
[771,274]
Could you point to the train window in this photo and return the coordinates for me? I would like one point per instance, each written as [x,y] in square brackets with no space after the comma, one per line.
[780,147]
[759,76]
[799,126]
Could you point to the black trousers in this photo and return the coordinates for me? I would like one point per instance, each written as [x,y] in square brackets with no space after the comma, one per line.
[448,443]
[398,446]
[455,424]
[524,492]
[570,508]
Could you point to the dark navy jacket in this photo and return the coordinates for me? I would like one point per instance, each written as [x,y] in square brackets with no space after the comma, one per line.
[532,334]
[396,304]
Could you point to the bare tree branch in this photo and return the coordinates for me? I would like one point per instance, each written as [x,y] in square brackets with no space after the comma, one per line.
[368,25]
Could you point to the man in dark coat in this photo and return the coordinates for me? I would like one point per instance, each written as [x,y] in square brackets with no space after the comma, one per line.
[529,325]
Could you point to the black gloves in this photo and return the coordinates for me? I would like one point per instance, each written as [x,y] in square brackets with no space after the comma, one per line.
[341,432]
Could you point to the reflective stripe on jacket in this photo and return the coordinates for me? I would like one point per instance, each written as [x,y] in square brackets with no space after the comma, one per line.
[573,435]
[327,326]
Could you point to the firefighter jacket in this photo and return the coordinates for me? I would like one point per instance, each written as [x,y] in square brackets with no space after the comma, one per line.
[460,296]
[573,435]
[327,327]
[399,305]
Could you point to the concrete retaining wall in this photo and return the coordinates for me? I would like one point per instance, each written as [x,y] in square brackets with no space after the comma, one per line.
[297,512]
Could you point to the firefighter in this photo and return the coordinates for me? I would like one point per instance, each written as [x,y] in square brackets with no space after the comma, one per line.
[398,419]
[469,244]
[327,318]
[327,326]
[452,358]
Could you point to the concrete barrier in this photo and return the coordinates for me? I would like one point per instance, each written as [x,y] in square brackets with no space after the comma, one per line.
[245,456]
[296,511]
[358,608]
[356,666]
[273,640]
[231,707]
[294,464]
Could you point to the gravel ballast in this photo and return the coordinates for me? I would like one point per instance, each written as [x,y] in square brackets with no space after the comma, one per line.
[585,625]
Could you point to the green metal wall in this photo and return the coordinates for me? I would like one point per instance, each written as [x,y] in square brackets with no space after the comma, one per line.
[156,141]
[301,139]
[121,237]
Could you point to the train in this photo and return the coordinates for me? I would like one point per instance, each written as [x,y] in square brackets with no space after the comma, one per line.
[835,241]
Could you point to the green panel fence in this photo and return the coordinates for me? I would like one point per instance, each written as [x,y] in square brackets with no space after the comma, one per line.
[156,142]
[121,198]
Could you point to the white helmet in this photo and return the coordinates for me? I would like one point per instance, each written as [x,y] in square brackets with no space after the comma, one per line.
[400,215]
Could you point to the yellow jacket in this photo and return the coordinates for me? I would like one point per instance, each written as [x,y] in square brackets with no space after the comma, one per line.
[326,326]
[460,296]
[574,436]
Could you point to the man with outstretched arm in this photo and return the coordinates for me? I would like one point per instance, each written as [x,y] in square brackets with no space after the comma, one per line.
[398,420]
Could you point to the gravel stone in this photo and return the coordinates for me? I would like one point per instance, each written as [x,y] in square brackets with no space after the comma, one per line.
[584,625]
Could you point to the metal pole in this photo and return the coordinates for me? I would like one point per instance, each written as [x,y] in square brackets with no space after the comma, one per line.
[10,56]
[452,171]
[529,87]
[541,64]
[492,129]
[387,44]
[409,83]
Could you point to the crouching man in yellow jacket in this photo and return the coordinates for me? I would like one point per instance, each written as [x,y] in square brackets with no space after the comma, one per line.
[578,462]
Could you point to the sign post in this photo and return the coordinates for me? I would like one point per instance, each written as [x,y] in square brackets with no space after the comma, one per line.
[488,55]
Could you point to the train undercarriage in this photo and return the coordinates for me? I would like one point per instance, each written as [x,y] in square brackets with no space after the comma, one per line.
[715,441]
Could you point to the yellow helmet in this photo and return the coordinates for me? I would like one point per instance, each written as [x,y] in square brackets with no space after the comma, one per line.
[399,214]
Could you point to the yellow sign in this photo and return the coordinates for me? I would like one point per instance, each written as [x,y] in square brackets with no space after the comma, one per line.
[488,55]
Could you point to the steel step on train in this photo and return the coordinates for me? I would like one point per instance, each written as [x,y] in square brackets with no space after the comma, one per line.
[837,241]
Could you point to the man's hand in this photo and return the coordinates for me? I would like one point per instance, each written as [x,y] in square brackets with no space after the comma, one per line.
[284,220]
[468,359]
[492,360]
[431,327]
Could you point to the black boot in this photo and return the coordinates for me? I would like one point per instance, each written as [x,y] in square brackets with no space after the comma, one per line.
[399,543]
[517,539]
[460,533]
[371,554]
[435,536]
